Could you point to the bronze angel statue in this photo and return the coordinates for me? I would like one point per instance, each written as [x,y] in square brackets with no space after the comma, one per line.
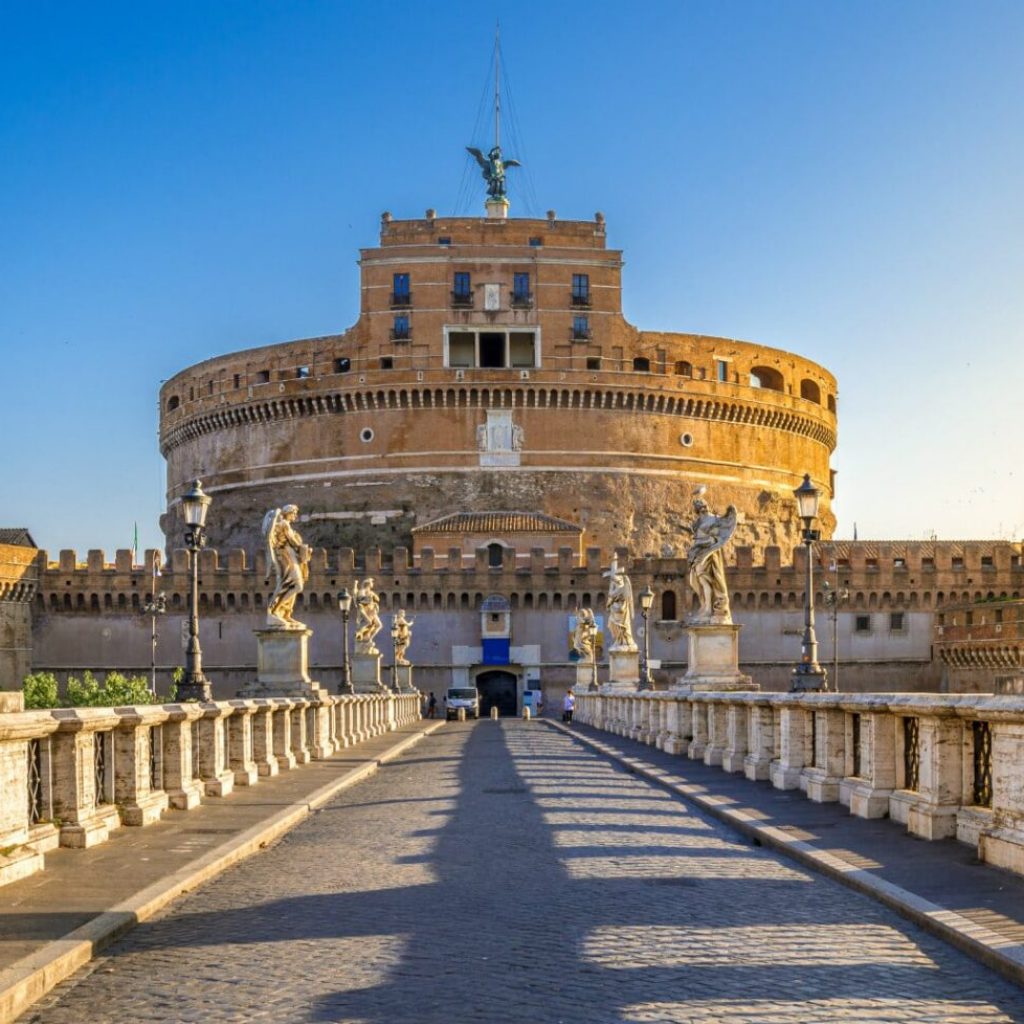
[494,169]
[707,565]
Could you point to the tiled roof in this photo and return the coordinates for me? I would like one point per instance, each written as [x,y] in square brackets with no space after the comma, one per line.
[498,523]
[873,548]
[16,535]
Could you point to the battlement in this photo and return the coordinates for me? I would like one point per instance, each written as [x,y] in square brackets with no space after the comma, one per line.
[897,574]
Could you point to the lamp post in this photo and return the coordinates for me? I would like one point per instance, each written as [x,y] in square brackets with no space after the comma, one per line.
[345,606]
[194,505]
[155,605]
[808,674]
[646,601]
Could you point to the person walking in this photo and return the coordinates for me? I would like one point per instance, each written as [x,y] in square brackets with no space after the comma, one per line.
[431,706]
[568,706]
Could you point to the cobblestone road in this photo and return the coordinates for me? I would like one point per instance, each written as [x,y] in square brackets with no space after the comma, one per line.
[501,873]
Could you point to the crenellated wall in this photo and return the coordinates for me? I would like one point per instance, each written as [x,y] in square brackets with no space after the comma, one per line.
[90,614]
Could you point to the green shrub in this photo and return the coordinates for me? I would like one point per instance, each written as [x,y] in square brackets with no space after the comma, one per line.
[41,691]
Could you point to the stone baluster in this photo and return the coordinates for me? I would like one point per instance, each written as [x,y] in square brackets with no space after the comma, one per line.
[217,777]
[699,722]
[241,739]
[822,776]
[761,737]
[321,740]
[300,731]
[83,775]
[718,731]
[674,743]
[283,710]
[660,713]
[263,729]
[180,783]
[23,840]
[785,772]
[140,797]
[737,731]
[871,770]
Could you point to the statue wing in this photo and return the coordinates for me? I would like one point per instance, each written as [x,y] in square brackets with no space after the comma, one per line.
[269,522]
[723,530]
[512,163]
[480,158]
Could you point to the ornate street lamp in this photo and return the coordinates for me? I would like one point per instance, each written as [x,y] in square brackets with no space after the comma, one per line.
[194,504]
[345,606]
[808,674]
[156,604]
[646,602]
[833,598]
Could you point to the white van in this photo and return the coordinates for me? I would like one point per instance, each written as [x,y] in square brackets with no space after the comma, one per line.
[461,697]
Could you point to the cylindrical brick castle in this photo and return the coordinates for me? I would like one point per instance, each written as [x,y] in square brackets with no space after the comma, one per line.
[491,369]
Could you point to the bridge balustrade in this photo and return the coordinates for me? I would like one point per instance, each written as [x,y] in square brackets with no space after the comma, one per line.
[70,776]
[942,765]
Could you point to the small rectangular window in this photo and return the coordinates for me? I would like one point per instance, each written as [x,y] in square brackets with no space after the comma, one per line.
[580,328]
[927,563]
[987,562]
[581,289]
[721,370]
[301,371]
[462,285]
[871,564]
[386,362]
[999,615]
[520,287]
[897,622]
[969,619]
[238,380]
[536,241]
[262,376]
[863,624]
[400,329]
[899,563]
[342,365]
[958,562]
[593,362]
[444,240]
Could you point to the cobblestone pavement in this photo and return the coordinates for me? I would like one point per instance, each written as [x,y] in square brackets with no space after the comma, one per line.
[502,873]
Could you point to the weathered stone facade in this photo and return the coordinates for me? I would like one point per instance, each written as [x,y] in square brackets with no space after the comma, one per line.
[18,580]
[492,369]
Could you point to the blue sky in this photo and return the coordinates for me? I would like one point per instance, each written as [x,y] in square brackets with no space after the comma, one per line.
[842,180]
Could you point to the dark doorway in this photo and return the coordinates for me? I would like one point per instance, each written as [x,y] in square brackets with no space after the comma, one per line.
[497,689]
[492,350]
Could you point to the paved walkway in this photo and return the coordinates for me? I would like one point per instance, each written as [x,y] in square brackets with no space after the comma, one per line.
[506,873]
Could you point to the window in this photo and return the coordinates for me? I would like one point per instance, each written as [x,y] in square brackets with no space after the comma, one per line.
[668,606]
[897,622]
[580,328]
[721,370]
[444,240]
[301,372]
[927,563]
[899,563]
[262,376]
[495,555]
[766,377]
[871,564]
[342,365]
[535,241]
[461,349]
[642,365]
[462,290]
[986,562]
[491,348]
[400,329]
[520,289]
[999,616]
[387,363]
[400,294]
[810,391]
[238,380]
[862,624]
[684,369]
[958,562]
[581,289]
[172,403]
[593,362]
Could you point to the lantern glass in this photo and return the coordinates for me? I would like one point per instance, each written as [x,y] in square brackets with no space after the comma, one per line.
[344,601]
[807,496]
[646,598]
[194,505]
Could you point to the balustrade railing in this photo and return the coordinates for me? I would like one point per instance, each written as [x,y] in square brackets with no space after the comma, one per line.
[944,765]
[70,776]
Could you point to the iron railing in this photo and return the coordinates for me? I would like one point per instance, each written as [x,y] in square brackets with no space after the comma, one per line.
[981,791]
[36,793]
[911,754]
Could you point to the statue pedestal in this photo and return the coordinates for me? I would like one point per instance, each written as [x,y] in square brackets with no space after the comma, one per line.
[282,666]
[403,679]
[623,672]
[366,673]
[714,659]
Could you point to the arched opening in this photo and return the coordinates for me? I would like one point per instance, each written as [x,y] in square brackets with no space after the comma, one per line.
[766,377]
[683,368]
[641,365]
[810,391]
[495,555]
[668,605]
[498,689]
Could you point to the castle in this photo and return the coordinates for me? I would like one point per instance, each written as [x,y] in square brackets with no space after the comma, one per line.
[482,441]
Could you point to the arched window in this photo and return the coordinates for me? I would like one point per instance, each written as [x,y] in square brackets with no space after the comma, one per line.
[831,403]
[172,403]
[495,555]
[810,391]
[642,365]
[684,369]
[668,605]
[766,377]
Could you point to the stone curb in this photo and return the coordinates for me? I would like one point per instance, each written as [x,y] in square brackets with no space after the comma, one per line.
[28,980]
[996,951]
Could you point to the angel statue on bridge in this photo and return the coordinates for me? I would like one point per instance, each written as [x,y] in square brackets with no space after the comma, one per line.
[620,608]
[707,565]
[288,557]
[367,602]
